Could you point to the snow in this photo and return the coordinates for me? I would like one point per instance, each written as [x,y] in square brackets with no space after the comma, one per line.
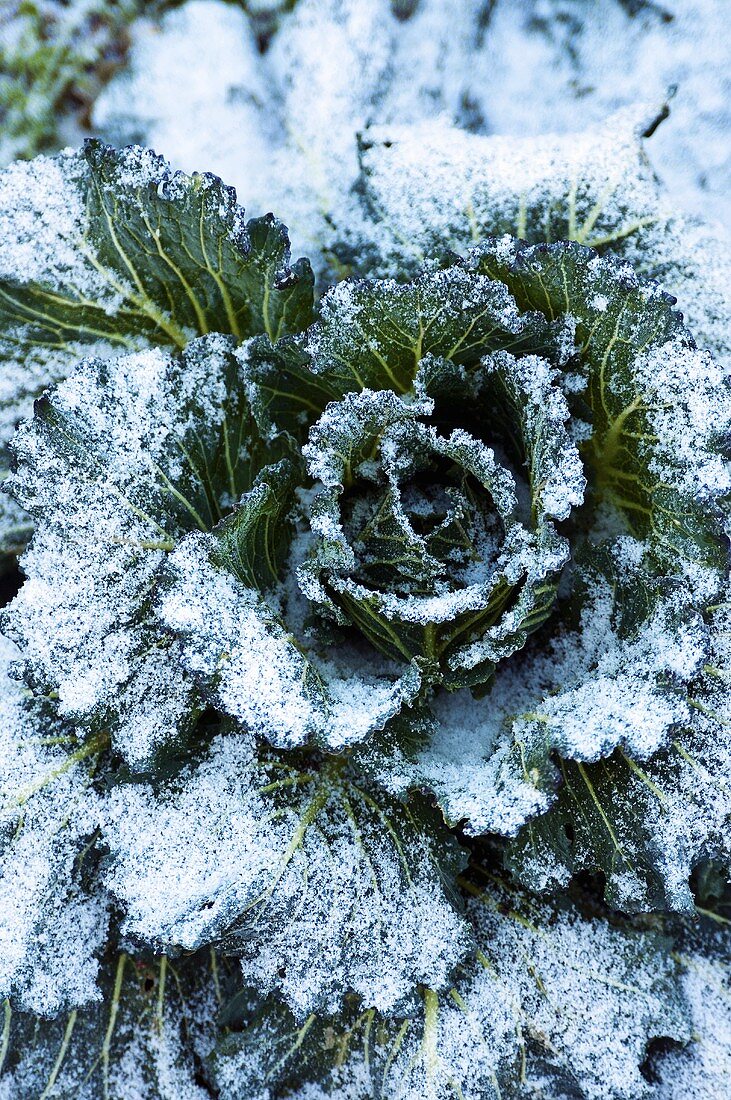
[295,869]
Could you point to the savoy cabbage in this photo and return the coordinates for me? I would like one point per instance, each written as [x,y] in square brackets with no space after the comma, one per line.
[365,699]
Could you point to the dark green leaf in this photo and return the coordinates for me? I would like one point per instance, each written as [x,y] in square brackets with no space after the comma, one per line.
[373,334]
[552,999]
[323,885]
[106,251]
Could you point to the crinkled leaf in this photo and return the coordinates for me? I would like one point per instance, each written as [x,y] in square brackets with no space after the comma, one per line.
[323,886]
[128,247]
[644,823]
[51,925]
[286,394]
[106,251]
[623,676]
[139,1039]
[420,538]
[552,996]
[372,334]
[128,454]
[660,409]
[247,661]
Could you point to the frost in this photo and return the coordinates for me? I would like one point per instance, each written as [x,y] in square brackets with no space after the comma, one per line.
[629,690]
[51,928]
[83,615]
[465,754]
[233,91]
[560,972]
[294,871]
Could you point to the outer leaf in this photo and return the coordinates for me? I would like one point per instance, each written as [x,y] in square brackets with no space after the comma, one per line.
[139,1041]
[644,823]
[107,251]
[322,886]
[129,455]
[578,1000]
[427,188]
[465,753]
[51,926]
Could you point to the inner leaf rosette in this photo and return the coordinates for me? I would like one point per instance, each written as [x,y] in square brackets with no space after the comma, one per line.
[436,541]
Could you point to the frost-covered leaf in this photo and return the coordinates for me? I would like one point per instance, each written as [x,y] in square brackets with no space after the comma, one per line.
[568,1001]
[372,334]
[323,886]
[455,188]
[249,664]
[660,408]
[104,252]
[120,461]
[621,676]
[429,188]
[285,393]
[52,925]
[701,1069]
[465,754]
[645,823]
[139,1040]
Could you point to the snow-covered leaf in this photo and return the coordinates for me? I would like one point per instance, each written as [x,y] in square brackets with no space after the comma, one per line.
[372,334]
[421,541]
[323,886]
[645,823]
[456,188]
[139,1041]
[105,252]
[248,663]
[52,926]
[552,997]
[660,409]
[701,1069]
[119,462]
